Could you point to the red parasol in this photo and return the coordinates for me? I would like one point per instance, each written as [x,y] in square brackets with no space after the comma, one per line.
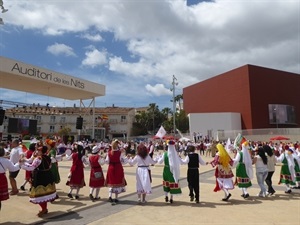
[279,138]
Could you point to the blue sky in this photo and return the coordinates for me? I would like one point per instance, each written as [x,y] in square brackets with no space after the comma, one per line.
[134,47]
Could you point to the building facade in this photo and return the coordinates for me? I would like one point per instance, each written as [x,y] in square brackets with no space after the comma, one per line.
[113,122]
[265,98]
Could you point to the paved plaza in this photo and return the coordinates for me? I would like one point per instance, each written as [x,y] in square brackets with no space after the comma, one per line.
[278,209]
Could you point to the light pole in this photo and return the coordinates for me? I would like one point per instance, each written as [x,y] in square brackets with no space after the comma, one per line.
[174,83]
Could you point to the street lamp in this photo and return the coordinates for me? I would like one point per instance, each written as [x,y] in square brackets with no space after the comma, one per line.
[174,83]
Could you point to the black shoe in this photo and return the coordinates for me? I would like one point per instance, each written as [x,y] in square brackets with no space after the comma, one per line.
[91,197]
[192,198]
[228,196]
[197,201]
[166,199]
[110,199]
[70,195]
[76,197]
[246,196]
[56,197]
[272,193]
[116,200]
[171,200]
[243,195]
[288,192]
[22,188]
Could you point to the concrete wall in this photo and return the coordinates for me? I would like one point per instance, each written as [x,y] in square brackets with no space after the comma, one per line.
[211,123]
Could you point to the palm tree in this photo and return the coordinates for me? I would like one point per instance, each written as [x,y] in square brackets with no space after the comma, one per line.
[178,99]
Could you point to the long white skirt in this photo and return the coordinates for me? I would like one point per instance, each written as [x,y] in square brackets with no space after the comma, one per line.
[143,184]
[225,183]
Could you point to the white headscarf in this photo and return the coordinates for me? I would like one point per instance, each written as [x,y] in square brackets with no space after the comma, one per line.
[247,160]
[174,161]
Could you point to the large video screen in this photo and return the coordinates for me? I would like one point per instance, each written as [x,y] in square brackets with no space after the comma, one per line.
[282,114]
[18,125]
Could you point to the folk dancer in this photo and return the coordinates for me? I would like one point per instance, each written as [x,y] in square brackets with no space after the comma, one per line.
[5,164]
[223,172]
[115,178]
[43,188]
[28,174]
[96,175]
[52,153]
[143,172]
[244,169]
[76,175]
[171,172]
[271,168]
[193,160]
[287,172]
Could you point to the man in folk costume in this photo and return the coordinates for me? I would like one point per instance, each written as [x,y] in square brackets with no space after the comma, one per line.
[223,173]
[193,160]
[171,172]
[243,163]
[287,172]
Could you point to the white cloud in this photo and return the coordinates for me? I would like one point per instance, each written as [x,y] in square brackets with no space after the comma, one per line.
[95,58]
[60,49]
[164,38]
[158,90]
[94,38]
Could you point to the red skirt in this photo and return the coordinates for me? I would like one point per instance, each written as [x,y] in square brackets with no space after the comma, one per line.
[3,187]
[96,178]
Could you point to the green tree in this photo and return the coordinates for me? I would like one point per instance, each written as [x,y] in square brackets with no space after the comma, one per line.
[64,131]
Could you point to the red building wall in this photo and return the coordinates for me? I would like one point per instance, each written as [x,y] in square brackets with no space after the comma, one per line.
[247,90]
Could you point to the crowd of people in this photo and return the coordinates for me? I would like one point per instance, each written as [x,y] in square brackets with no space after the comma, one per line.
[41,159]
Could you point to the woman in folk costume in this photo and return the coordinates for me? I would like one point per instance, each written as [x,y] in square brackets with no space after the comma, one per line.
[193,160]
[96,175]
[52,154]
[5,164]
[297,168]
[223,173]
[43,186]
[115,178]
[76,175]
[28,174]
[143,173]
[171,172]
[244,169]
[287,172]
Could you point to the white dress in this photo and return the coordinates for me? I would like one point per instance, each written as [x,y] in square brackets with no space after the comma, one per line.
[143,183]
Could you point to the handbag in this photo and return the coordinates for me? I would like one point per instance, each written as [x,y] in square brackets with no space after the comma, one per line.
[98,175]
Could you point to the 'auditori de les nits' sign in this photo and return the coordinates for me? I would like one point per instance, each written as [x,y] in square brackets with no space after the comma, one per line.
[40,74]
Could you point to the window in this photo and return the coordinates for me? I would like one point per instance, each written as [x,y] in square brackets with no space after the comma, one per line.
[62,119]
[123,119]
[52,119]
[52,128]
[39,118]
[282,114]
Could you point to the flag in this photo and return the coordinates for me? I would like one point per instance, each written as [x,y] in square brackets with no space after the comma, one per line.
[239,140]
[161,132]
[104,117]
[228,146]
